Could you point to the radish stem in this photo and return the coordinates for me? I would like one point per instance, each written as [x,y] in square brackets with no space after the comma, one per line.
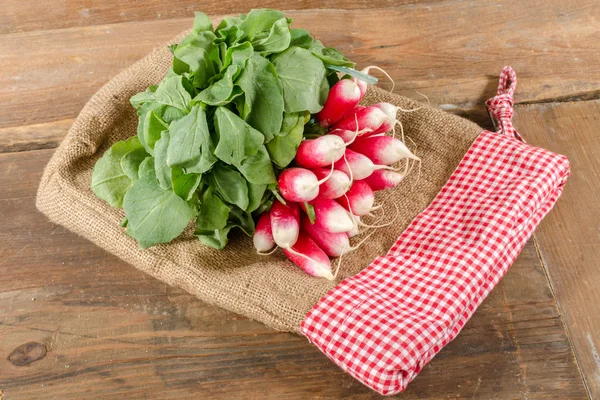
[356,74]
[278,197]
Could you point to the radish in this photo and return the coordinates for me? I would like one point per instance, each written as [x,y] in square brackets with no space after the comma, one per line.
[333,244]
[384,150]
[320,152]
[330,215]
[355,228]
[334,187]
[285,223]
[342,98]
[382,179]
[263,236]
[298,184]
[362,85]
[391,111]
[359,199]
[310,257]
[357,166]
[349,136]
[367,118]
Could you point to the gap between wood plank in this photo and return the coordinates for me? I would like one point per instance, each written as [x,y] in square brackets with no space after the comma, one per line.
[540,257]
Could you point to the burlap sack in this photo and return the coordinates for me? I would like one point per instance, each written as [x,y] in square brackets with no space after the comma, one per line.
[269,289]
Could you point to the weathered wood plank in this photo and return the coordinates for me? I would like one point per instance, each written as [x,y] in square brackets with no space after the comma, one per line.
[451,51]
[33,137]
[568,237]
[30,15]
[112,331]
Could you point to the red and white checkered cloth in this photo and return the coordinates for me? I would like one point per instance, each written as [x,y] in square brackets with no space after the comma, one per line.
[385,323]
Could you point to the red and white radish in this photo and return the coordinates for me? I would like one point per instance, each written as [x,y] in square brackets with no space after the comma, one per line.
[391,111]
[383,179]
[320,152]
[310,257]
[334,187]
[359,199]
[357,166]
[333,244]
[263,235]
[285,223]
[384,150]
[363,85]
[355,228]
[342,98]
[350,136]
[298,184]
[331,216]
[368,118]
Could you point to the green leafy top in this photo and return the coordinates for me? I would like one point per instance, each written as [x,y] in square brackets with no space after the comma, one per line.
[213,133]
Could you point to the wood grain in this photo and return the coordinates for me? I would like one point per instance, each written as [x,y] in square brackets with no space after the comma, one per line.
[112,331]
[568,238]
[452,51]
[86,325]
[33,137]
[30,15]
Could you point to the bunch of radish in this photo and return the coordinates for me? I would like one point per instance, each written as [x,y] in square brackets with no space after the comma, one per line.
[333,181]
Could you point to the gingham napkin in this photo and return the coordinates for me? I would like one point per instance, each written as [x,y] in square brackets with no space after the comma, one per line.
[385,323]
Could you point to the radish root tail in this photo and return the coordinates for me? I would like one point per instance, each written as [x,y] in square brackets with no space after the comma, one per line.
[385,73]
[260,253]
[291,250]
[322,181]
[360,223]
[416,160]
[357,132]
[426,98]
[349,170]
[397,122]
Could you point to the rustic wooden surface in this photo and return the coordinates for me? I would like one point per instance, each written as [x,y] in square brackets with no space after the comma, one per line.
[568,239]
[78,323]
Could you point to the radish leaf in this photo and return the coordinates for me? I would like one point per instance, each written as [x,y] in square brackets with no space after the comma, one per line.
[152,127]
[212,213]
[184,185]
[191,145]
[155,215]
[263,96]
[301,38]
[231,185]
[237,139]
[259,21]
[109,181]
[222,91]
[256,193]
[258,169]
[163,171]
[301,75]
[284,146]
[278,40]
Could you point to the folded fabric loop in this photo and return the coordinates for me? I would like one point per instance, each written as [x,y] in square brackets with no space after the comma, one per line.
[500,106]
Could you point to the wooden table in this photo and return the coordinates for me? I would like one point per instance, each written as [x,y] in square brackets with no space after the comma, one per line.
[77,323]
